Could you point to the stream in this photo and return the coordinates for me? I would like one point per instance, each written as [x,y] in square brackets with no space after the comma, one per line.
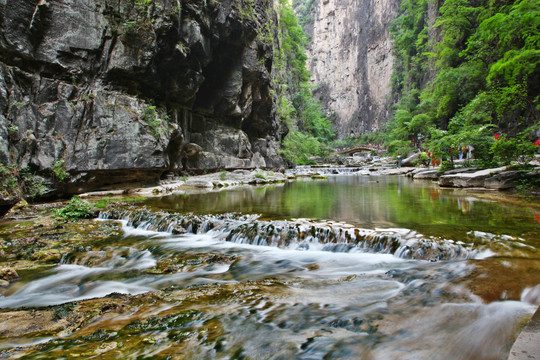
[352,267]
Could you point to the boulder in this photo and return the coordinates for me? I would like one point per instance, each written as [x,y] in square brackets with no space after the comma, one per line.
[6,203]
[474,179]
[411,160]
[503,180]
[199,183]
[427,174]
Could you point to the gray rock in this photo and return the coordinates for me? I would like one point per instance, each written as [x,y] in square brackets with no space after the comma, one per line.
[474,179]
[411,160]
[427,175]
[114,89]
[503,180]
[527,345]
[199,183]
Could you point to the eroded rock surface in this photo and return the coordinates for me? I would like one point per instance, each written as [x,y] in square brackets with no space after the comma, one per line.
[350,57]
[101,89]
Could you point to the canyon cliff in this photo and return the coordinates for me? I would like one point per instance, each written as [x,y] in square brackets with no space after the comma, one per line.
[100,92]
[350,58]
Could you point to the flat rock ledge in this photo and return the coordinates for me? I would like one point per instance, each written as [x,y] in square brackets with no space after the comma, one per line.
[204,183]
[496,179]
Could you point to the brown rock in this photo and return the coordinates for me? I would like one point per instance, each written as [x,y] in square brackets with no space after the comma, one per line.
[8,274]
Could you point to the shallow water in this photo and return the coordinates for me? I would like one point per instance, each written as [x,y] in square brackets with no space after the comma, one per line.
[431,274]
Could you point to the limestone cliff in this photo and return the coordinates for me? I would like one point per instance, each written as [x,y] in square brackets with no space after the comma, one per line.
[109,90]
[350,58]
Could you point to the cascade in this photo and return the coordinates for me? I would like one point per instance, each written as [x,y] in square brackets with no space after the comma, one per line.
[300,234]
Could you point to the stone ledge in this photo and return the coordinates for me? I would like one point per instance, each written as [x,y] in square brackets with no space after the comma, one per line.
[527,345]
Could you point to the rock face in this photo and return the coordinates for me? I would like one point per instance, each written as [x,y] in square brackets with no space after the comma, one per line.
[350,57]
[110,90]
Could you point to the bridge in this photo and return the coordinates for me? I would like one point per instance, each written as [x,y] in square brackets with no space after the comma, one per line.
[358,148]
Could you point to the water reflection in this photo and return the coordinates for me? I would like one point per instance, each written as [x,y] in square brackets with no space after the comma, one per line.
[367,201]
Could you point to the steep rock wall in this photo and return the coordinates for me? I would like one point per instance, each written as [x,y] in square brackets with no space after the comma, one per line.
[110,90]
[350,58]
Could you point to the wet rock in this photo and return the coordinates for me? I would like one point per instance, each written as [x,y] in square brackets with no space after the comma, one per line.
[176,230]
[8,274]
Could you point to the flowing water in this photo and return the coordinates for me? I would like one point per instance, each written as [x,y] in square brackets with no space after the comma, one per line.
[353,267]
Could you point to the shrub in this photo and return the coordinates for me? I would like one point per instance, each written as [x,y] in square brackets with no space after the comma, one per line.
[445,166]
[299,147]
[9,183]
[76,209]
[507,150]
[59,170]
[399,146]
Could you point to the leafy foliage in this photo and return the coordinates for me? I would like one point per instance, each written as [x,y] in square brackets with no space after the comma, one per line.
[15,182]
[484,76]
[157,124]
[300,148]
[59,170]
[76,209]
[310,128]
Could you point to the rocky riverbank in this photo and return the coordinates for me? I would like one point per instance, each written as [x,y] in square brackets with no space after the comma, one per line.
[523,177]
[172,319]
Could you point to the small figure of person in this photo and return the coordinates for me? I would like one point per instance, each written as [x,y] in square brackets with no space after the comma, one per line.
[470,150]
[399,160]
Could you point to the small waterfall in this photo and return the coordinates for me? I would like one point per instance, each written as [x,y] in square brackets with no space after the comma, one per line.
[298,234]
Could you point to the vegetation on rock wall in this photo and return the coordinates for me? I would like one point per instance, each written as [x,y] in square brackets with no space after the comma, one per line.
[303,115]
[474,75]
[304,10]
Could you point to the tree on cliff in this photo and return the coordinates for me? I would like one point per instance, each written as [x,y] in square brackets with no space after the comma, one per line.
[305,117]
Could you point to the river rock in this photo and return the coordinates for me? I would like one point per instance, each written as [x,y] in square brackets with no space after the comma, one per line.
[8,274]
[427,174]
[474,179]
[411,160]
[197,183]
[527,345]
[503,180]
